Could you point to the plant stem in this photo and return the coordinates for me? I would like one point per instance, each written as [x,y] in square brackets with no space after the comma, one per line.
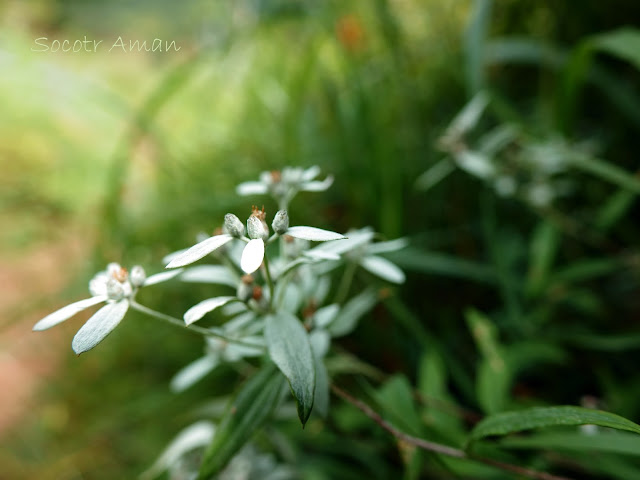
[190,328]
[345,282]
[437,447]
[267,275]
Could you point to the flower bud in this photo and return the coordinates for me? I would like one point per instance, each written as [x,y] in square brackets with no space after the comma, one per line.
[115,290]
[114,270]
[233,225]
[280,222]
[137,276]
[257,227]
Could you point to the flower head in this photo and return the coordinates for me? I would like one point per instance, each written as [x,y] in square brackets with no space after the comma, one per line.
[284,185]
[116,288]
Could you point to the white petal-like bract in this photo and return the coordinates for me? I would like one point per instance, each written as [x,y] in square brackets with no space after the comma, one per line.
[161,277]
[251,188]
[318,185]
[353,240]
[200,250]
[252,256]
[314,234]
[99,326]
[198,311]
[198,435]
[217,274]
[388,246]
[310,173]
[193,372]
[383,268]
[69,311]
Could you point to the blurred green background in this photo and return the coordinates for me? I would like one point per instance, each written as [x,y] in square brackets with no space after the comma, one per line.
[126,156]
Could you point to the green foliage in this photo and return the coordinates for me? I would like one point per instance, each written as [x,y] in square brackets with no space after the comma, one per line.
[250,410]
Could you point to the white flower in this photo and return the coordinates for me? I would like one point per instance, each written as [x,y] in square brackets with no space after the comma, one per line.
[116,288]
[284,185]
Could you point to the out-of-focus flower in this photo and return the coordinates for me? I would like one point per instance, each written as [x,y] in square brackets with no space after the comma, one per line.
[284,185]
[116,288]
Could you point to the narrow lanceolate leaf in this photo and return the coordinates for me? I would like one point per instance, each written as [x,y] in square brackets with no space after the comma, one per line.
[217,274]
[67,312]
[321,394]
[193,372]
[252,256]
[599,441]
[253,406]
[314,234]
[161,277]
[383,268]
[99,326]
[198,311]
[538,417]
[199,250]
[289,348]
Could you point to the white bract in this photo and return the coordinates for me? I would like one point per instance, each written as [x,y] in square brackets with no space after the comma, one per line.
[116,288]
[217,352]
[359,248]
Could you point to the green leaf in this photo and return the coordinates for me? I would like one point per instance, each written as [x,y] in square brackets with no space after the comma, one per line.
[396,399]
[440,411]
[475,44]
[321,396]
[543,251]
[290,350]
[618,442]
[614,209]
[423,261]
[605,343]
[252,407]
[494,375]
[585,270]
[539,417]
[623,43]
[605,171]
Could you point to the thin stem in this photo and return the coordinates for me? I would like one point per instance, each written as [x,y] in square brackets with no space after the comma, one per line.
[345,282]
[267,275]
[437,447]
[190,328]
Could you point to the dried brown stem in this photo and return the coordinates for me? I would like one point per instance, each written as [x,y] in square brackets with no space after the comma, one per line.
[437,447]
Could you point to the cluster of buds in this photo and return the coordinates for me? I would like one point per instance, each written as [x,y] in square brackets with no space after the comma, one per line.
[258,236]
[116,283]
